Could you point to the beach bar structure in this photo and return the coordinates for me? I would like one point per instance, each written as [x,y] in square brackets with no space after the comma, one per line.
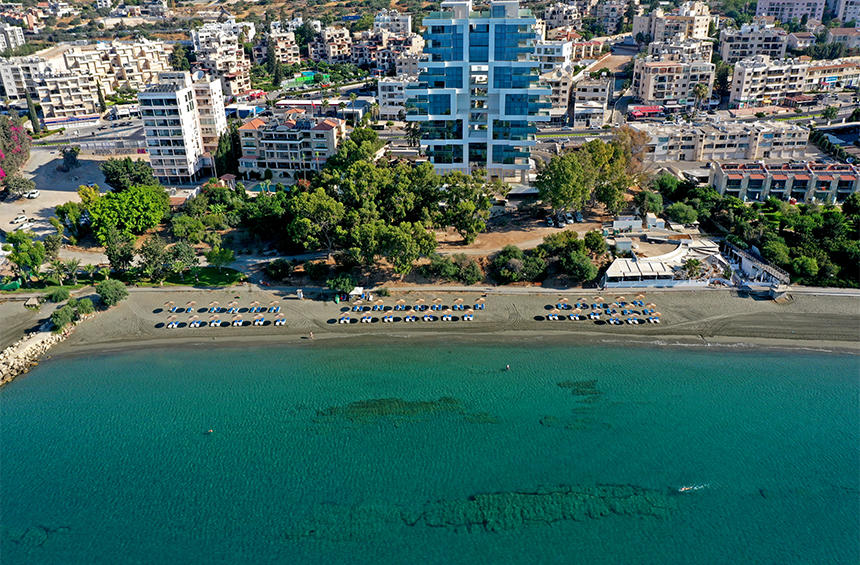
[664,270]
[802,182]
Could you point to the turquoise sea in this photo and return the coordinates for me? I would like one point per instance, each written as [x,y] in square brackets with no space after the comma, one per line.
[417,452]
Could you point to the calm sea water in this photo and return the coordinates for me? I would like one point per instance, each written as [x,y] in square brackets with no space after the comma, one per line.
[421,453]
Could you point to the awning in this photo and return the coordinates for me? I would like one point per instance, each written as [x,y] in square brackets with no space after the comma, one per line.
[757,177]
[801,177]
[736,177]
[780,177]
[826,178]
[847,177]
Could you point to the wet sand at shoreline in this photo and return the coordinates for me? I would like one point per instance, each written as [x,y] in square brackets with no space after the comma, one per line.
[689,318]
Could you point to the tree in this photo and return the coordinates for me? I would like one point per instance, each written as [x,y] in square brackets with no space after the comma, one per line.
[776,252]
[467,204]
[122,174]
[692,267]
[91,271]
[132,211]
[563,182]
[595,242]
[102,103]
[62,317]
[805,266]
[649,201]
[413,134]
[666,184]
[119,248]
[700,92]
[721,78]
[70,158]
[153,256]
[31,111]
[18,185]
[578,266]
[182,257]
[179,58]
[111,292]
[316,216]
[70,269]
[27,255]
[342,284]
[851,205]
[830,113]
[682,213]
[14,146]
[71,215]
[219,257]
[404,244]
[187,227]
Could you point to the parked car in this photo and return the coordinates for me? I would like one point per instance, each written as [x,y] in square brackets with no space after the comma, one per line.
[578,217]
[550,222]
[32,194]
[27,226]
[568,218]
[19,219]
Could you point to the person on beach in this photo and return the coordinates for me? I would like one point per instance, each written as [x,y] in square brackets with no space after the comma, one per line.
[312,335]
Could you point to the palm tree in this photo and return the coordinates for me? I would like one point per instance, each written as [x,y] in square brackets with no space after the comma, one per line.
[352,98]
[413,133]
[105,273]
[700,91]
[54,271]
[341,106]
[91,271]
[374,111]
[70,267]
[325,105]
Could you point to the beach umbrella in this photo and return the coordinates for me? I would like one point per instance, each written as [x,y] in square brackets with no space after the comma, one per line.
[656,314]
[237,317]
[480,300]
[620,298]
[273,303]
[279,315]
[650,305]
[555,311]
[255,303]
[379,302]
[214,303]
[171,318]
[233,304]
[437,300]
[192,318]
[598,299]
[640,296]
[400,301]
[190,303]
[168,305]
[576,311]
[419,301]
[458,301]
[213,318]
[258,317]
[563,300]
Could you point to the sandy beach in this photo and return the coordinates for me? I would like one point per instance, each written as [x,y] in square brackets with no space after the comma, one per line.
[689,318]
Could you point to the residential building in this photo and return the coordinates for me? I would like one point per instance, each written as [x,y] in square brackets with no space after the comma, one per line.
[803,182]
[553,54]
[67,95]
[752,39]
[477,100]
[286,50]
[392,21]
[171,122]
[689,21]
[392,95]
[847,36]
[209,96]
[560,15]
[407,64]
[332,45]
[560,81]
[292,25]
[119,64]
[563,33]
[760,81]
[610,14]
[669,81]
[848,11]
[11,37]
[587,50]
[17,76]
[103,4]
[788,10]
[712,141]
[800,40]
[291,147]
[591,102]
[220,52]
[689,49]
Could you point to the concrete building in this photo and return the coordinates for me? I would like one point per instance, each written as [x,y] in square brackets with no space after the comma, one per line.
[291,147]
[800,40]
[591,102]
[689,21]
[724,141]
[210,104]
[332,45]
[847,36]
[392,96]
[788,10]
[553,54]
[750,40]
[171,120]
[560,15]
[670,81]
[11,37]
[848,11]
[392,21]
[803,182]
[220,52]
[407,64]
[477,100]
[285,48]
[760,81]
[17,76]
[610,14]
[119,64]
[688,49]
[560,81]
[64,96]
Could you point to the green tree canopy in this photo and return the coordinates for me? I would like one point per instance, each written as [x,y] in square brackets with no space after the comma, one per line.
[27,255]
[111,292]
[132,211]
[467,204]
[122,174]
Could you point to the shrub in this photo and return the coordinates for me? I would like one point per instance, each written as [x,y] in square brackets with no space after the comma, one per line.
[59,294]
[441,267]
[317,270]
[468,270]
[578,266]
[342,283]
[682,213]
[279,269]
[595,243]
[534,268]
[383,292]
[85,306]
[111,292]
[63,317]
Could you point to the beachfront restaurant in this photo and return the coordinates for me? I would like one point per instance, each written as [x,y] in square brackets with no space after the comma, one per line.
[626,272]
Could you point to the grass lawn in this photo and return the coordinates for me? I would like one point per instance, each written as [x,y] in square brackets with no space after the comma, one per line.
[208,276]
[47,287]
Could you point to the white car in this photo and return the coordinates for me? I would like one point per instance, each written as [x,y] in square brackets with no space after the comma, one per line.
[19,219]
[24,227]
[32,194]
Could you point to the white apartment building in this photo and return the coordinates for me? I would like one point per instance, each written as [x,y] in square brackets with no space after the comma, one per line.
[17,76]
[553,54]
[291,147]
[392,96]
[760,81]
[788,10]
[11,37]
[67,95]
[670,81]
[848,11]
[689,21]
[172,126]
[591,102]
[561,84]
[285,48]
[407,64]
[393,21]
[219,51]
[210,105]
[847,36]
[689,49]
[800,40]
[559,15]
[332,45]
[752,39]
[103,4]
[115,64]
[707,142]
[610,14]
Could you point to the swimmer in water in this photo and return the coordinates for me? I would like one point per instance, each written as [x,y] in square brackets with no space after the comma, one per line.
[507,367]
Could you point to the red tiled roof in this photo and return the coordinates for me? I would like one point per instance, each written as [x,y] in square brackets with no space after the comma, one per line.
[326,124]
[255,123]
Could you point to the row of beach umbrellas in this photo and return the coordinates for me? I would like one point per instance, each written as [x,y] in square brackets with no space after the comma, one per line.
[170,306]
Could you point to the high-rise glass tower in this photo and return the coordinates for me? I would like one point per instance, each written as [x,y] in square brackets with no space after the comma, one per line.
[476,99]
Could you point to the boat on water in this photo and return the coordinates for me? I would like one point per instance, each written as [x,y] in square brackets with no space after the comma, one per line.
[691,488]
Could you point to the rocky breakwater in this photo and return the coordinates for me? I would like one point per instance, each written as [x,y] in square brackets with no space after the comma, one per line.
[25,353]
